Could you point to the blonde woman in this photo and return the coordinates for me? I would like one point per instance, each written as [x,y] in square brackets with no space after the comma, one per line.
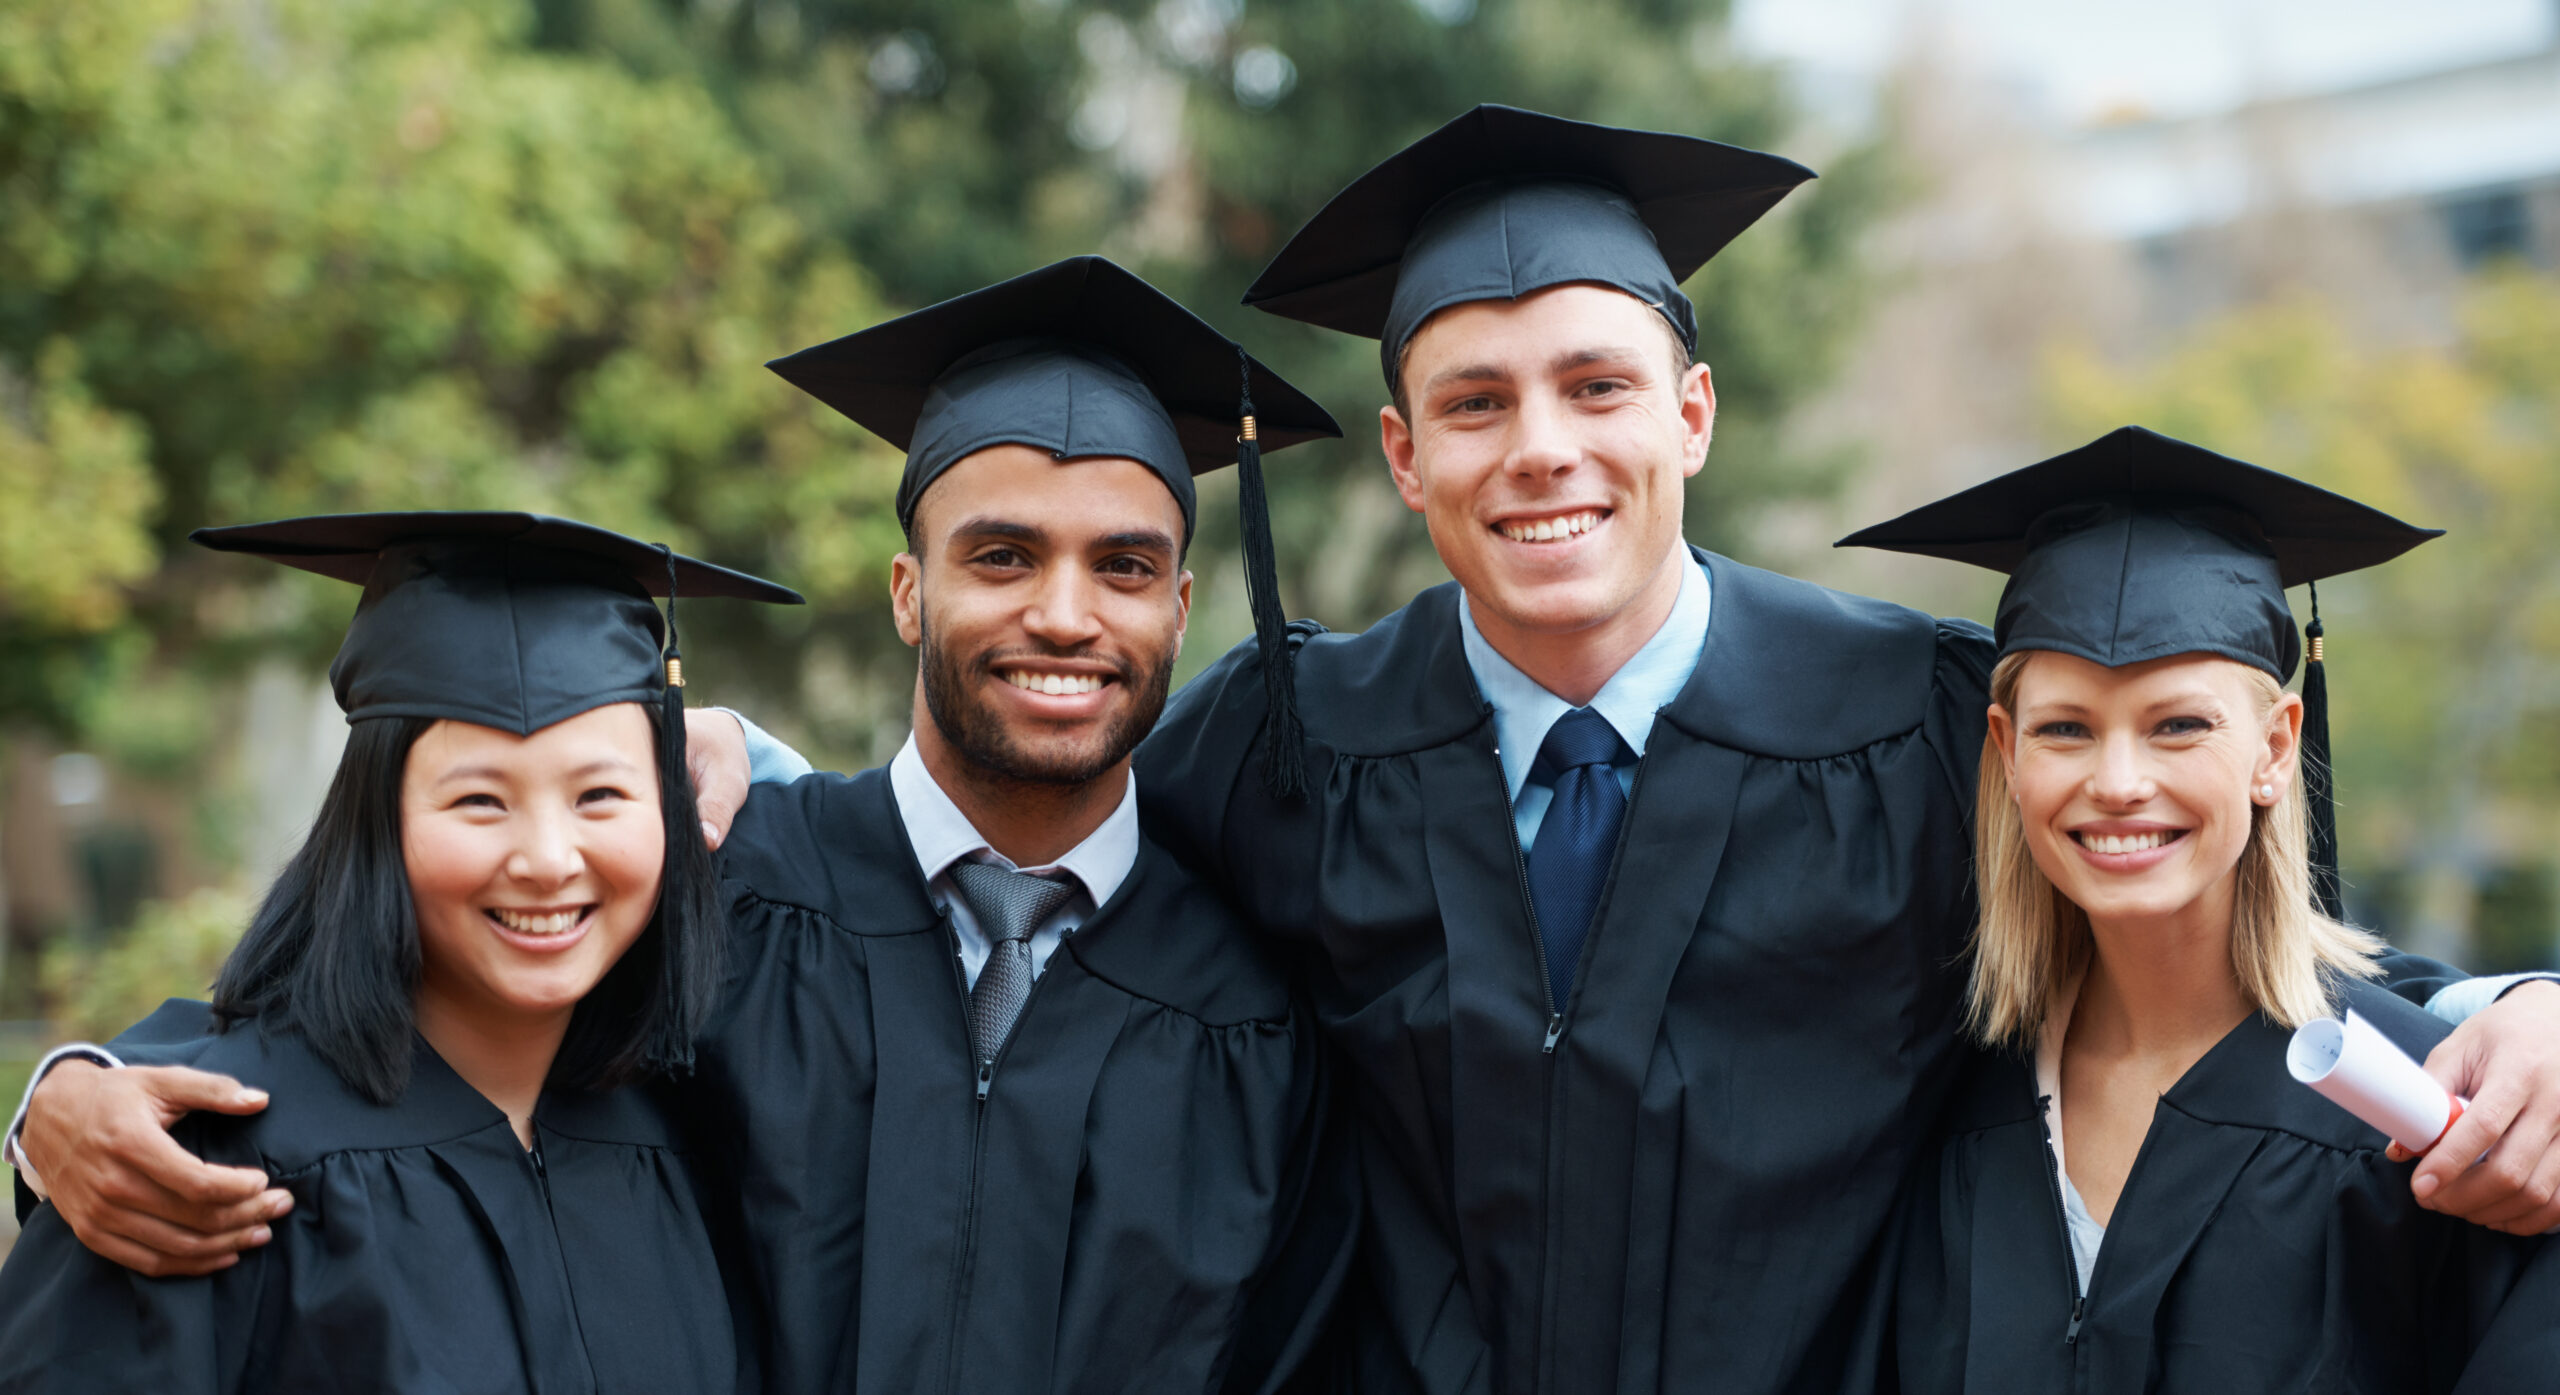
[2131,1193]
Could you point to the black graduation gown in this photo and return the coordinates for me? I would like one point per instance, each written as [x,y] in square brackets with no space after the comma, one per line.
[2262,1243]
[1685,1180]
[427,1251]
[1118,1209]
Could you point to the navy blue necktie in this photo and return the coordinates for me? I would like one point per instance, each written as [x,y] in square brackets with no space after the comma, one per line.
[1576,839]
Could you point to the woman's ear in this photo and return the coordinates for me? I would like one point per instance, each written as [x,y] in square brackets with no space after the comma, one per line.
[2281,762]
[2004,735]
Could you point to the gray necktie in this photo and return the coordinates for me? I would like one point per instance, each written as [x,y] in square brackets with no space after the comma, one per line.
[1008,905]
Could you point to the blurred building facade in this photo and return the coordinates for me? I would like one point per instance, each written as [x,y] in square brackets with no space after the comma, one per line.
[2121,237]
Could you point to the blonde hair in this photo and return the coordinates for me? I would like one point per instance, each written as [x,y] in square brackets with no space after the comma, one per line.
[2031,940]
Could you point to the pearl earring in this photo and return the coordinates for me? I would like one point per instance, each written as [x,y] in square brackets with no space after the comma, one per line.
[2266,794]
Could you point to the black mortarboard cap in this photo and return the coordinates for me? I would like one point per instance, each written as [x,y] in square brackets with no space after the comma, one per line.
[2137,546]
[1083,358]
[1502,202]
[506,620]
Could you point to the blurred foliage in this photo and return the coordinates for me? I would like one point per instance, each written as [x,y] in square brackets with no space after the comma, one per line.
[173,949]
[2444,664]
[265,257]
[312,255]
[953,144]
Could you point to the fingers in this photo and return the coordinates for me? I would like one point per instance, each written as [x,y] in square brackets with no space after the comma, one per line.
[716,757]
[2449,1178]
[117,1249]
[165,1249]
[179,1090]
[2516,1187]
[198,1192]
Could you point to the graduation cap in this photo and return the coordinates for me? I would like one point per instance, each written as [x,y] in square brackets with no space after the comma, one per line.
[2137,546]
[507,620]
[1083,358]
[1502,202]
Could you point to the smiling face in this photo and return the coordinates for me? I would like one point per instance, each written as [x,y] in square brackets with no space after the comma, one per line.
[1049,600]
[1545,441]
[2139,786]
[533,861]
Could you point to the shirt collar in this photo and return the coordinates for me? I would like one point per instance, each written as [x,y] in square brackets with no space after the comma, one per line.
[1523,710]
[942,835]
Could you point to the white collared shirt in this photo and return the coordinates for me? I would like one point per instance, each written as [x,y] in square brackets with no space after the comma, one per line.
[1524,711]
[941,835]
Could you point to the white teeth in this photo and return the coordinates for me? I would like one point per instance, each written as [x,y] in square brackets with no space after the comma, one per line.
[556,923]
[2125,843]
[1053,684]
[1549,529]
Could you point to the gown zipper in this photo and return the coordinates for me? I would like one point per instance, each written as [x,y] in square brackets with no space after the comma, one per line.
[2061,1220]
[1537,937]
[984,1080]
[1556,1013]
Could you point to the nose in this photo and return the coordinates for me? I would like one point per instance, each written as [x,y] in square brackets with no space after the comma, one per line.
[1543,444]
[2122,778]
[1062,610]
[546,854]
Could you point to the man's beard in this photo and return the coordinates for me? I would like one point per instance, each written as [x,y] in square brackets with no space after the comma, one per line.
[979,734]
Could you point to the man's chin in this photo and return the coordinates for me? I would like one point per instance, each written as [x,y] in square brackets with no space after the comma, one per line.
[1052,762]
[1547,607]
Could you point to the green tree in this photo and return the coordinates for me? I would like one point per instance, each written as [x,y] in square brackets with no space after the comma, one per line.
[950,145]
[2445,664]
[304,256]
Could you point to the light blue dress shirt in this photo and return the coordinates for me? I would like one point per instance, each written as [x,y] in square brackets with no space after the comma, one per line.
[1523,712]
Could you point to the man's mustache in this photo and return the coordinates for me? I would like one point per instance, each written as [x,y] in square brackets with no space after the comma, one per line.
[986,663]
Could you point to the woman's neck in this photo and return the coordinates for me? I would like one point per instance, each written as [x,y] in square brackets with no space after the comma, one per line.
[504,1056]
[2161,990]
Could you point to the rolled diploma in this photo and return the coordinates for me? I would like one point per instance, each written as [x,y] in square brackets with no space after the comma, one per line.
[2360,1071]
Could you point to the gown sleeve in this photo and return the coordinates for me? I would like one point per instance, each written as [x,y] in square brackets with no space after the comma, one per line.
[2513,1292]
[74,1323]
[1285,1342]
[1188,767]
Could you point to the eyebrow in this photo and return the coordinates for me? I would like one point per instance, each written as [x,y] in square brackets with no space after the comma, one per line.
[988,526]
[1142,539]
[1583,358]
[1562,363]
[491,772]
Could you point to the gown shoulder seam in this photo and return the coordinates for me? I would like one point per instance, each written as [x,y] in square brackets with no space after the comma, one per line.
[317,1159]
[2277,1129]
[1284,1019]
[749,892]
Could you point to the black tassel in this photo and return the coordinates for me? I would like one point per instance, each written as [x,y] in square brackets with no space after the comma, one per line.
[2317,790]
[672,776]
[1284,757]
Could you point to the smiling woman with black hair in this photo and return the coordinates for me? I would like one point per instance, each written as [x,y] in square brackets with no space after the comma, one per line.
[501,925]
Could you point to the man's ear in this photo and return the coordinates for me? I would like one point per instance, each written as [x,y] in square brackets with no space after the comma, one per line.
[1395,439]
[906,597]
[1697,417]
[1181,612]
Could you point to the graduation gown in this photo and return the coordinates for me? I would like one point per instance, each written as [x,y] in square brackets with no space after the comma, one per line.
[1685,1179]
[2262,1243]
[427,1250]
[1122,1205]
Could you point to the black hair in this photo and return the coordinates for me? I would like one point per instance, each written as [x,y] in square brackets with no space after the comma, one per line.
[333,951]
